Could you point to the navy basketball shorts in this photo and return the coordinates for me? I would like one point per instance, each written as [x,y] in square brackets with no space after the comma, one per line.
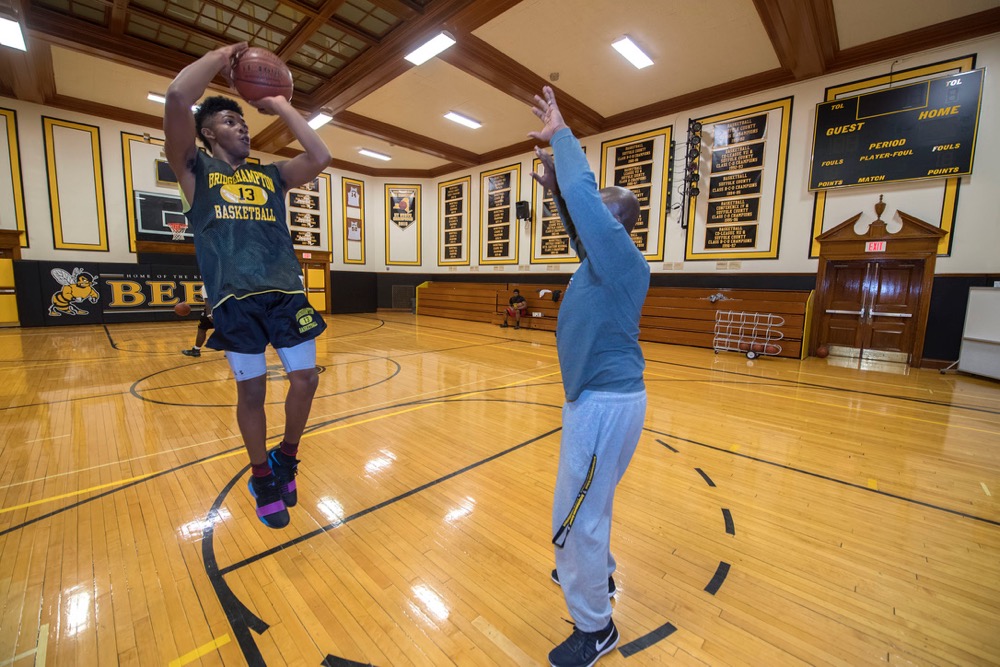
[249,324]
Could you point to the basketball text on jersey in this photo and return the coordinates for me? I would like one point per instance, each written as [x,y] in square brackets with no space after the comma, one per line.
[247,190]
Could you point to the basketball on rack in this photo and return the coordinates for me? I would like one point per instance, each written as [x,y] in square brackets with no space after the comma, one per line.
[822,351]
[259,73]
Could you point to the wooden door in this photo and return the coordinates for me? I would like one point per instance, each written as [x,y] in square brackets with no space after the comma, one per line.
[844,303]
[869,307]
[893,302]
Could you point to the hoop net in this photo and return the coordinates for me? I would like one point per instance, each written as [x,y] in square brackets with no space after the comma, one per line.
[177,229]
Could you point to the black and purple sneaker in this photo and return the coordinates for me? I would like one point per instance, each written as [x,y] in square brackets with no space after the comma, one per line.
[271,509]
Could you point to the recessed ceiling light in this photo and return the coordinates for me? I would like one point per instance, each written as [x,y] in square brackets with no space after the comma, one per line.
[430,49]
[156,97]
[463,120]
[319,120]
[377,156]
[10,34]
[632,53]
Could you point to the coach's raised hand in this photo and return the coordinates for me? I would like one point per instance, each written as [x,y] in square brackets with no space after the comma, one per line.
[548,112]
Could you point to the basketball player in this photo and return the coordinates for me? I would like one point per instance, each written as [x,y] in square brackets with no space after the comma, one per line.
[602,365]
[244,250]
[205,324]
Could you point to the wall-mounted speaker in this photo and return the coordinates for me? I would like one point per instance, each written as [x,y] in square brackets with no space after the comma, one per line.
[523,210]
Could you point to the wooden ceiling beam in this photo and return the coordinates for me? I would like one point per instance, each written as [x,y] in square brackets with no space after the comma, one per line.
[802,32]
[491,66]
[28,74]
[307,29]
[87,38]
[99,110]
[399,8]
[119,16]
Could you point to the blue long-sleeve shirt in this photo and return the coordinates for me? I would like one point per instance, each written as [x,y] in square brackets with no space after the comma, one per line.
[597,335]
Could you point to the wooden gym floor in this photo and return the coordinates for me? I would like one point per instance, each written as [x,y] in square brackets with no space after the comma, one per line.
[777,512]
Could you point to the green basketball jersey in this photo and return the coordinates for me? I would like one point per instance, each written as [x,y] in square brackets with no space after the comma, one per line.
[241,237]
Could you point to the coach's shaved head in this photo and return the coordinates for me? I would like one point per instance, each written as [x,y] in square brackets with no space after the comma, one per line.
[623,204]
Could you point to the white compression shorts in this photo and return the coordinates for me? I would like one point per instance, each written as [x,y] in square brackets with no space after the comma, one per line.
[249,366]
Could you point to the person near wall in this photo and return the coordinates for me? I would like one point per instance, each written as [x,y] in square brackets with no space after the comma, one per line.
[205,324]
[602,372]
[517,306]
[252,276]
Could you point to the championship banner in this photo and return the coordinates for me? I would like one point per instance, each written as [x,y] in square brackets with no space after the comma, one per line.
[919,130]
[549,238]
[354,221]
[639,163]
[453,222]
[734,209]
[498,234]
[310,221]
[937,191]
[402,225]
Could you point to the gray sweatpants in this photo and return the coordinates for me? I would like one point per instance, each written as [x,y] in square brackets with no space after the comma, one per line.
[599,435]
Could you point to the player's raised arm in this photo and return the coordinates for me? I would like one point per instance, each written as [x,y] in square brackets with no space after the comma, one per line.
[178,122]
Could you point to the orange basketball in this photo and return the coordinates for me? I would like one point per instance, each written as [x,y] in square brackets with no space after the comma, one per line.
[822,351]
[183,309]
[772,349]
[259,73]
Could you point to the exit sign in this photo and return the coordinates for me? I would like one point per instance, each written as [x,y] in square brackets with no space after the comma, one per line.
[875,246]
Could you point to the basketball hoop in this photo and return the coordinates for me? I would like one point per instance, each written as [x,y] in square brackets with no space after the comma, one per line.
[178,229]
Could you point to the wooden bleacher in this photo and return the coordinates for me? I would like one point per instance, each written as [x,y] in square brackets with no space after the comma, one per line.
[674,315]
[686,315]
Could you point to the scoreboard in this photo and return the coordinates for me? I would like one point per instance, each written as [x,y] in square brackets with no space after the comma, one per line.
[918,130]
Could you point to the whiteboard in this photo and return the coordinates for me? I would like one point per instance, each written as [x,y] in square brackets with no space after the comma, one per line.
[980,353]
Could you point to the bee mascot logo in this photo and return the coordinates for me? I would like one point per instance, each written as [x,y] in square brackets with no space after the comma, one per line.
[76,287]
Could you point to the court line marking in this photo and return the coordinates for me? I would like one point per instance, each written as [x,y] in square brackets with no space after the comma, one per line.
[986,489]
[39,651]
[43,645]
[803,471]
[202,650]
[873,484]
[54,437]
[19,656]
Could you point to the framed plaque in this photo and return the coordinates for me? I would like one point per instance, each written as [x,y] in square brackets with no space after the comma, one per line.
[453,222]
[354,220]
[310,218]
[549,238]
[498,233]
[639,163]
[742,161]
